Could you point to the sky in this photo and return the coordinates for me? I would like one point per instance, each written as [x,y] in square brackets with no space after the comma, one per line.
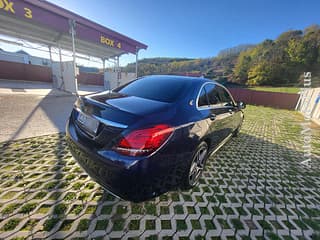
[196,28]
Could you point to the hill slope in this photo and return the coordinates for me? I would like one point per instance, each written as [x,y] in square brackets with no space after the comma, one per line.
[279,62]
[215,67]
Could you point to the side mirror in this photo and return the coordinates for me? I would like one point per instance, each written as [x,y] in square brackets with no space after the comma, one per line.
[241,105]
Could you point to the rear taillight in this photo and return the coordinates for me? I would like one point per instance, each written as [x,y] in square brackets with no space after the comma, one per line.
[143,142]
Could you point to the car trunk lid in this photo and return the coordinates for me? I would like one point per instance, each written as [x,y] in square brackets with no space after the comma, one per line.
[115,112]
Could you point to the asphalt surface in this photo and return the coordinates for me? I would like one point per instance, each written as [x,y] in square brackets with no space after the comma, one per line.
[24,116]
[34,109]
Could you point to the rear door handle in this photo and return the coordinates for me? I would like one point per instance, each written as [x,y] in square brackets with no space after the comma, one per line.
[212,117]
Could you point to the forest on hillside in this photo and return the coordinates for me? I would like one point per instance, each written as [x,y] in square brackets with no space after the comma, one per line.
[279,62]
[215,67]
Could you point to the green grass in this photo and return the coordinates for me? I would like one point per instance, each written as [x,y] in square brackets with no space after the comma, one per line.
[217,210]
[40,195]
[315,225]
[55,195]
[11,224]
[300,224]
[178,209]
[50,223]
[97,196]
[66,225]
[83,224]
[50,185]
[27,208]
[209,224]
[90,185]
[134,225]
[118,224]
[150,224]
[237,224]
[228,211]
[106,209]
[136,208]
[77,185]
[83,196]
[121,209]
[91,209]
[164,210]
[101,224]
[76,209]
[195,224]
[164,198]
[265,225]
[150,208]
[70,177]
[165,224]
[181,225]
[152,237]
[223,223]
[60,209]
[9,195]
[276,89]
[175,197]
[70,196]
[30,225]
[273,236]
[191,210]
[44,209]
[10,208]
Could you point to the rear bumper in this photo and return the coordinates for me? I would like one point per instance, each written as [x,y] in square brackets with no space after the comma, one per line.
[133,179]
[115,175]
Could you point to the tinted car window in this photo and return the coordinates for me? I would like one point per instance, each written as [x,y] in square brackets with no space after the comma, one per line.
[155,88]
[212,93]
[203,100]
[226,100]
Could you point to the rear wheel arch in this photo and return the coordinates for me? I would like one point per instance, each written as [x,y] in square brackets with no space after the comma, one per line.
[207,141]
[185,184]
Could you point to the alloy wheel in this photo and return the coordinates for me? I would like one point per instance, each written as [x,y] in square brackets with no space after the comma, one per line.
[197,165]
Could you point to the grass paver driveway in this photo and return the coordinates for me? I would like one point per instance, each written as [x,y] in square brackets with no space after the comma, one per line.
[254,188]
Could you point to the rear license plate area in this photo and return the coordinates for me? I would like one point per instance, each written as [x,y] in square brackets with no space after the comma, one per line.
[89,123]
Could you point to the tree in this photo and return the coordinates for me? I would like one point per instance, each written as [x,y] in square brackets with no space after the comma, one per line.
[242,67]
[260,74]
[296,51]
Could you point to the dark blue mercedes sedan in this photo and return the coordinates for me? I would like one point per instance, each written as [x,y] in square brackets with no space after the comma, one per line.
[153,134]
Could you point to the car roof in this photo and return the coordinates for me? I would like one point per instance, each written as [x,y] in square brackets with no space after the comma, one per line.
[198,80]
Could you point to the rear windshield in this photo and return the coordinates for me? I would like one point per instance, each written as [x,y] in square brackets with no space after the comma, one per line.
[156,88]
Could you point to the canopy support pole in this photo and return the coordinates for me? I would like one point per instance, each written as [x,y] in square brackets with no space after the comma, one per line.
[50,54]
[73,32]
[103,64]
[118,71]
[61,69]
[103,72]
[54,81]
[137,51]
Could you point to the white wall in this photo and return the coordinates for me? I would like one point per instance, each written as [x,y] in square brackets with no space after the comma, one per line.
[39,61]
[13,57]
[23,58]
[309,103]
[116,79]
[63,78]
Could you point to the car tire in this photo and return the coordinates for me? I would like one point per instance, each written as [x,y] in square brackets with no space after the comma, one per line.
[236,132]
[196,166]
